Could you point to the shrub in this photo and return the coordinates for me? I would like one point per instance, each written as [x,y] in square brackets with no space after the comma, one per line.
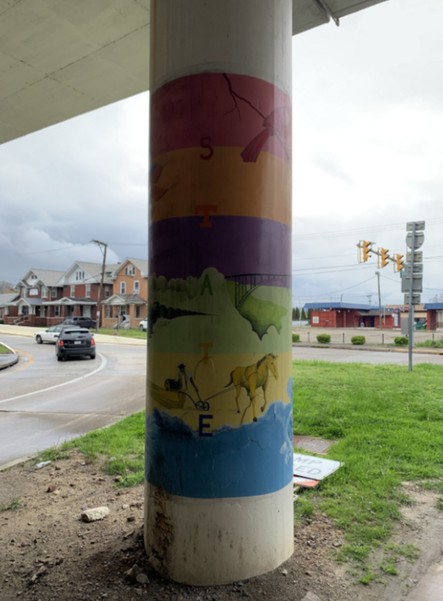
[401,340]
[324,338]
[358,340]
[295,337]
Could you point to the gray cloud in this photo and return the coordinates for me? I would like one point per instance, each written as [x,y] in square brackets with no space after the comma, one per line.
[368,148]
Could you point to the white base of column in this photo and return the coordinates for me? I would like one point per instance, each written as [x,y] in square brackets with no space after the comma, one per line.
[218,541]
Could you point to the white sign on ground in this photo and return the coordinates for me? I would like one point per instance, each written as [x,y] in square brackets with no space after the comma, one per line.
[315,468]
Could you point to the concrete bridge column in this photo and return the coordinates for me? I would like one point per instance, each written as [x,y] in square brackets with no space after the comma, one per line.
[218,498]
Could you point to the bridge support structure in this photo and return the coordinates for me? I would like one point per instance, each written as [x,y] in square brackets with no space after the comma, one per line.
[218,497]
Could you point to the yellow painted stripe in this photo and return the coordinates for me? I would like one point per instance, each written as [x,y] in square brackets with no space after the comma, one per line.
[193,182]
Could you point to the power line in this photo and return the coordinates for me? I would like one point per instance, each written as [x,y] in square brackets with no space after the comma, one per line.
[368,228]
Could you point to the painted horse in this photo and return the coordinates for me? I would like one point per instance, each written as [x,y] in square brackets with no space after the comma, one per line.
[251,378]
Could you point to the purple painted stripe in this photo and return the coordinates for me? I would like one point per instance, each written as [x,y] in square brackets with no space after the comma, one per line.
[233,245]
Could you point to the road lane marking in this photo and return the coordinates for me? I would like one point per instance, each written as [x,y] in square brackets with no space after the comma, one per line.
[22,396]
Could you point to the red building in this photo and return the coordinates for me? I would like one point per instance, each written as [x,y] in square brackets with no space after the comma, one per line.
[349,315]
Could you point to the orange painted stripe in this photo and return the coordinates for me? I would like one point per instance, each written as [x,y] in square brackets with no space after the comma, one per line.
[183,184]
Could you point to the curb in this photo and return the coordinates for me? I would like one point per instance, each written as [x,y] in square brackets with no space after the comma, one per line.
[373,348]
[6,360]
[15,462]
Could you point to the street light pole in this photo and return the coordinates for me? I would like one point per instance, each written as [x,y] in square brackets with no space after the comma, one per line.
[103,247]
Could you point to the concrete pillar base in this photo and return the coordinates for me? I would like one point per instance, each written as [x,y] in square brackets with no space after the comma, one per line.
[217,541]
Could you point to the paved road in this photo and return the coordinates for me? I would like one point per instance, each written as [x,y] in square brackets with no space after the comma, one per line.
[44,402]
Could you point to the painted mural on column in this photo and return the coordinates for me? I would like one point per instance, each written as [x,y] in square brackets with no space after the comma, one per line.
[220,391]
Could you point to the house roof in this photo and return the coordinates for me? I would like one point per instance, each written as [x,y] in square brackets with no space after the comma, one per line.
[337,305]
[47,277]
[67,300]
[433,306]
[31,302]
[7,298]
[125,299]
[93,272]
[140,264]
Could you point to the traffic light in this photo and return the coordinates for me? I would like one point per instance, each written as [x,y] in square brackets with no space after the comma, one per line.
[366,249]
[399,262]
[384,257]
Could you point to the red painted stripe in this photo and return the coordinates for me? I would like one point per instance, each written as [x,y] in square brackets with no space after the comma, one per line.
[210,110]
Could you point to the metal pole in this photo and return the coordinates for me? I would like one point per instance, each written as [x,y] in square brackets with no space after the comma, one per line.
[377,273]
[411,306]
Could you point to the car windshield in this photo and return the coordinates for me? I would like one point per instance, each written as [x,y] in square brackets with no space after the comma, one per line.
[76,332]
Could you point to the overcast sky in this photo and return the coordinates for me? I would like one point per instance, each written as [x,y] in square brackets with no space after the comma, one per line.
[368,157]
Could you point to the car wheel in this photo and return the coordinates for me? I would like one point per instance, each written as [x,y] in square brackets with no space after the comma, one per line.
[92,356]
[59,358]
[38,339]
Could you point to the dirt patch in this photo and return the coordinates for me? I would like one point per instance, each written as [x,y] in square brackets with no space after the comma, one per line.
[48,553]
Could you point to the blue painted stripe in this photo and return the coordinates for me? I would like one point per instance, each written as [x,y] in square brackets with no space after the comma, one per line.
[252,460]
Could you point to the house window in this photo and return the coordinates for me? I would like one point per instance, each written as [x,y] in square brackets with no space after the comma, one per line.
[72,291]
[56,311]
[136,287]
[45,292]
[53,292]
[130,270]
[79,276]
[88,290]
[137,311]
[122,287]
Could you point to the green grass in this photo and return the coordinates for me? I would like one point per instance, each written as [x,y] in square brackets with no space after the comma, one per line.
[133,333]
[388,424]
[388,427]
[12,506]
[4,350]
[120,449]
[431,343]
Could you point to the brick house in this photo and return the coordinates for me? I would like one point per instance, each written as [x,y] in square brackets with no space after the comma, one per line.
[80,286]
[128,303]
[37,290]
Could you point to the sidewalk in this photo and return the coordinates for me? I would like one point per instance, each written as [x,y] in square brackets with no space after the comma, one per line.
[104,338]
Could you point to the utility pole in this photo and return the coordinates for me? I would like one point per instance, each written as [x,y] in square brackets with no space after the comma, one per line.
[377,273]
[103,247]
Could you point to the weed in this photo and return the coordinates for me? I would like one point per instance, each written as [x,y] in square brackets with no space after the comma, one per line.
[389,568]
[12,506]
[367,577]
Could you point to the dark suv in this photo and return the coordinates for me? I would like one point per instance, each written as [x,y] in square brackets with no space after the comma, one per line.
[83,322]
[75,342]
